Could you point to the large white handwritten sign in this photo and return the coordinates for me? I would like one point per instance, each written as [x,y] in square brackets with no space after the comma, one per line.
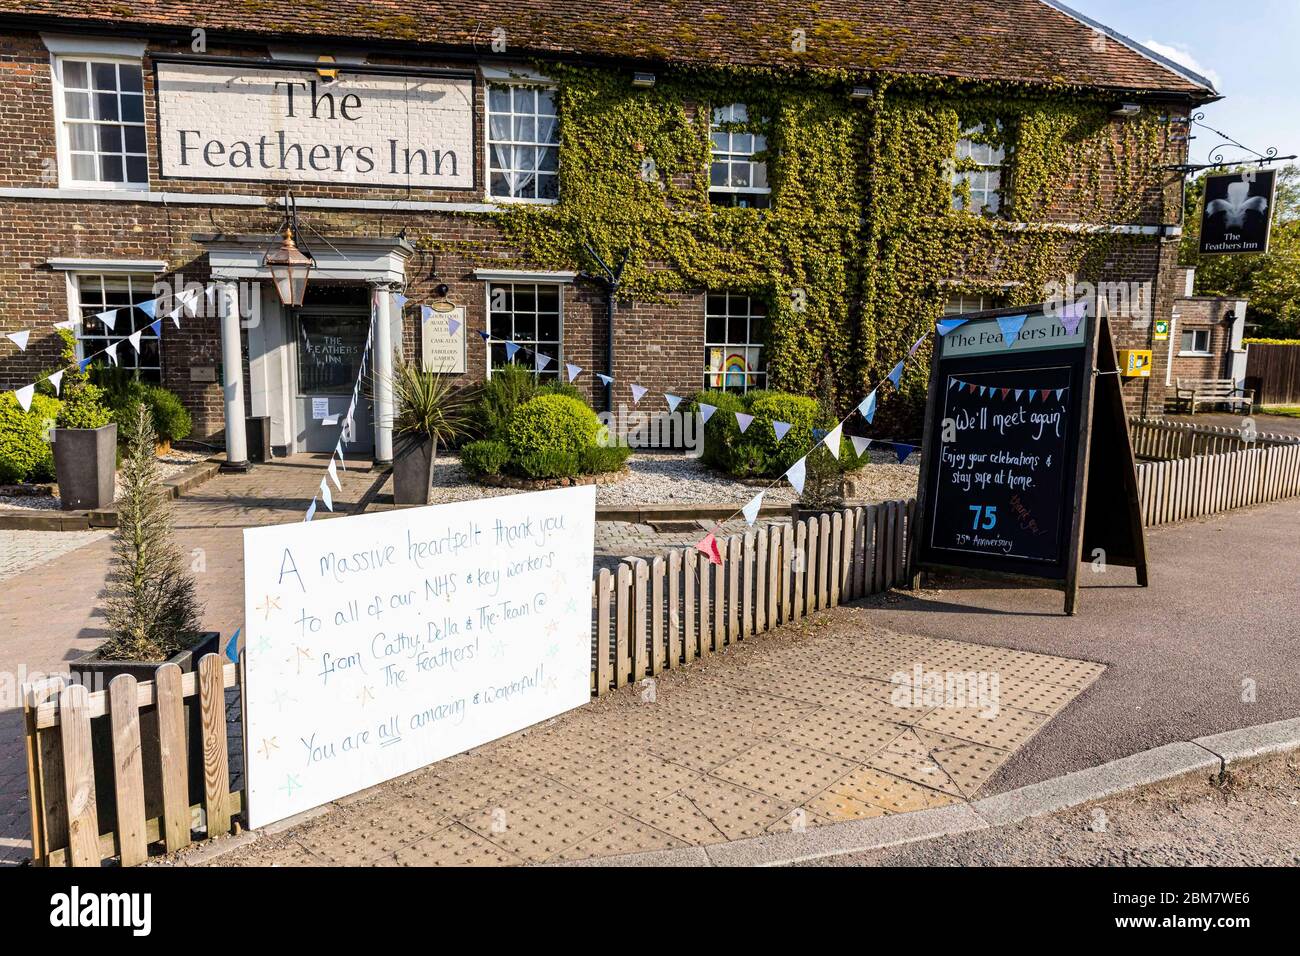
[233,122]
[380,643]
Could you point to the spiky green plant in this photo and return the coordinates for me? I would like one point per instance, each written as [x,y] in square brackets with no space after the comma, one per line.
[152,609]
[430,405]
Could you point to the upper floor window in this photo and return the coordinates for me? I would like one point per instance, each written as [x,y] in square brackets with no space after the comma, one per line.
[735,328]
[100,293]
[101,135]
[738,176]
[977,170]
[523,143]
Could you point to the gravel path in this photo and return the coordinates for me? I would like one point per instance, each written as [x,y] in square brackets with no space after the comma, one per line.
[1251,819]
[669,478]
[169,466]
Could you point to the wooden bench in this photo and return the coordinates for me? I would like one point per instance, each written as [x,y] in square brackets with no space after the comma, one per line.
[1211,391]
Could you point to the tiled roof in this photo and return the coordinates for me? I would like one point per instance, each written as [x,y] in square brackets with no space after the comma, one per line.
[1035,41]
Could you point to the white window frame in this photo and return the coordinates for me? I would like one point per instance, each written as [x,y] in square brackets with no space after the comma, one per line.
[1000,166]
[77,312]
[493,77]
[733,154]
[978,302]
[751,380]
[535,281]
[1195,352]
[58,56]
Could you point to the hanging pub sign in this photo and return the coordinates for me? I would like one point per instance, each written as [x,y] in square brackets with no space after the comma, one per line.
[1027,467]
[1237,212]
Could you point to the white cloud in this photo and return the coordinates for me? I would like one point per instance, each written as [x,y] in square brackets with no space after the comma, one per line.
[1183,57]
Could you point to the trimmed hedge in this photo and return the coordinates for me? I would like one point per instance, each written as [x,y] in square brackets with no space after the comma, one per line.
[756,453]
[553,434]
[25,454]
[171,420]
[485,457]
[551,423]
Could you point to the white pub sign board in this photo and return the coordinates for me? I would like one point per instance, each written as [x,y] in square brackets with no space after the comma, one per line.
[362,129]
[380,643]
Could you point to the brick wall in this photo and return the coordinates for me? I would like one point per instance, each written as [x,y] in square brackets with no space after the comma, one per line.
[659,345]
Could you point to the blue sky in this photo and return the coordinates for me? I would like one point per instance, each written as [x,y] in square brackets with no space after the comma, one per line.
[1250,49]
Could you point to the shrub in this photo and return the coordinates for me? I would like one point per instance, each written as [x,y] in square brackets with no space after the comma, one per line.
[769,457]
[25,452]
[150,605]
[548,463]
[171,420]
[509,387]
[485,457]
[721,431]
[83,407]
[598,459]
[551,423]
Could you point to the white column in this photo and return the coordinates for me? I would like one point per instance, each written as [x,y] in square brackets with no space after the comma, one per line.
[232,385]
[382,376]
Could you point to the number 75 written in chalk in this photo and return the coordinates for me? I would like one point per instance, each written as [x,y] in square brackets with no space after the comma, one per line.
[986,517]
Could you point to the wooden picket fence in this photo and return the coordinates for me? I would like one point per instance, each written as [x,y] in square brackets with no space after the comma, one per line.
[61,765]
[679,607]
[1161,440]
[1206,484]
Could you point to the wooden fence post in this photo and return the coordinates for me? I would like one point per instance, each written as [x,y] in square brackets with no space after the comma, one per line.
[216,766]
[128,770]
[78,777]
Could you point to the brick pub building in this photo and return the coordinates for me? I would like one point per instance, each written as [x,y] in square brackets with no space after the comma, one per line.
[151,141]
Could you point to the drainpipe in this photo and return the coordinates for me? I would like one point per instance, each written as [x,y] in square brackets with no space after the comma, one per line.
[611,280]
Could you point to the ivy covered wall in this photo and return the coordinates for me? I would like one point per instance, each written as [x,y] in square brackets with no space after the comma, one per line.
[861,246]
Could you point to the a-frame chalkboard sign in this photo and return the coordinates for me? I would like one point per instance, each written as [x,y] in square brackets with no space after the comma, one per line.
[1027,466]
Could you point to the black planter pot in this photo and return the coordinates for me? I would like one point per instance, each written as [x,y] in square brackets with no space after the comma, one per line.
[96,674]
[413,459]
[85,463]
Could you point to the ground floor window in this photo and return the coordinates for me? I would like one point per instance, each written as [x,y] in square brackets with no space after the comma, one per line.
[97,294]
[962,303]
[1196,342]
[527,314]
[735,328]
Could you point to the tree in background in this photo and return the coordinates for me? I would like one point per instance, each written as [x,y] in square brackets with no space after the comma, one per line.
[1271,281]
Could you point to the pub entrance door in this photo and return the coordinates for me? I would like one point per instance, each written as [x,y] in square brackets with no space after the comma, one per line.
[329,340]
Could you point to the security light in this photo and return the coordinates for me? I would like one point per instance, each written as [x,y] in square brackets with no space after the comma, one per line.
[1127,110]
[643,80]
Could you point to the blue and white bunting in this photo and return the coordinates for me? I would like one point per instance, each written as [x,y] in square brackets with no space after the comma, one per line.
[56,379]
[19,339]
[311,511]
[400,299]
[896,374]
[108,318]
[902,451]
[148,308]
[426,313]
[673,401]
[781,429]
[638,393]
[706,412]
[946,326]
[867,407]
[916,345]
[452,326]
[325,494]
[511,349]
[750,511]
[744,421]
[1011,326]
[24,396]
[796,473]
[606,380]
[573,370]
[860,444]
[540,361]
[832,440]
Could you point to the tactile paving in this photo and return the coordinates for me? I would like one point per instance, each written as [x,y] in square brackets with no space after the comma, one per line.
[537,830]
[711,811]
[626,836]
[455,846]
[889,792]
[835,807]
[841,733]
[789,773]
[1006,729]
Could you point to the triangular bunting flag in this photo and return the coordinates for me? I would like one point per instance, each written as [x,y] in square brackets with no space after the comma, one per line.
[175,316]
[673,401]
[638,393]
[325,494]
[1011,326]
[1072,315]
[744,421]
[915,345]
[19,339]
[706,412]
[68,324]
[948,325]
[1043,393]
[487,337]
[896,374]
[333,472]
[605,380]
[983,389]
[1004,392]
[134,339]
[709,545]
[796,474]
[109,318]
[338,452]
[860,444]
[970,387]
[24,396]
[84,363]
[750,511]
[902,451]
[540,361]
[426,313]
[1019,392]
[573,370]
[156,327]
[148,308]
[832,440]
[867,407]
[511,349]
[232,646]
[56,379]
[955,382]
[452,326]
[311,511]
[1058,393]
[112,352]
[780,428]
[400,299]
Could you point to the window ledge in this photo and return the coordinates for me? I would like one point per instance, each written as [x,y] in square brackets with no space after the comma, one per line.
[1196,355]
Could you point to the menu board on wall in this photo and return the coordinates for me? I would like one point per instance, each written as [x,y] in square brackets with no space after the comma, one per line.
[442,342]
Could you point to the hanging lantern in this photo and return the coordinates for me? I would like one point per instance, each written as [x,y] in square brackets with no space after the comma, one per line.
[289,269]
